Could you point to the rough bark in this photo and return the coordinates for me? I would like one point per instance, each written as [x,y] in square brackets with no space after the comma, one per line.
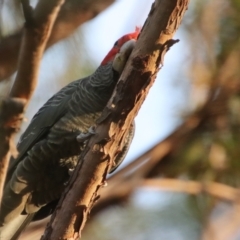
[10,119]
[72,15]
[140,72]
[36,33]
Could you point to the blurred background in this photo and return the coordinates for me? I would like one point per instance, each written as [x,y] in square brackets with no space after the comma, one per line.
[190,189]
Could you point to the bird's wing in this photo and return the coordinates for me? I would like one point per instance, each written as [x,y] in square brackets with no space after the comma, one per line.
[43,120]
[127,143]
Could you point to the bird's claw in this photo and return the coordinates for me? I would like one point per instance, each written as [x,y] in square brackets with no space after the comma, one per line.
[82,137]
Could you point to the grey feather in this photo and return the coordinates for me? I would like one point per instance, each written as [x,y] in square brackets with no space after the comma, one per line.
[49,148]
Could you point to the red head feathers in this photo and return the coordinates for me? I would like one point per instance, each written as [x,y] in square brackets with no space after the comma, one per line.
[118,44]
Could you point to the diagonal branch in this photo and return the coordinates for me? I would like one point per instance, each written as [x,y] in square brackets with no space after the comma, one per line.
[215,189]
[140,72]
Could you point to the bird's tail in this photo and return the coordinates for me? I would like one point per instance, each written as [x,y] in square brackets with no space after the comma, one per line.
[13,229]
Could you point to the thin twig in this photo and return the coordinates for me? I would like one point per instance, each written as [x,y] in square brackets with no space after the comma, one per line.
[214,189]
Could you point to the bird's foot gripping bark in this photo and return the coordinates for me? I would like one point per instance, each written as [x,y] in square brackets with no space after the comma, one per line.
[82,137]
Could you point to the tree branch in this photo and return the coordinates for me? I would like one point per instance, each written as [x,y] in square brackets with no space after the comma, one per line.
[214,189]
[140,72]
[72,15]
[10,119]
[36,33]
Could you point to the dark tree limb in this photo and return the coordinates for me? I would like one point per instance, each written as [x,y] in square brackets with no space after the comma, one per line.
[71,16]
[36,33]
[10,119]
[140,72]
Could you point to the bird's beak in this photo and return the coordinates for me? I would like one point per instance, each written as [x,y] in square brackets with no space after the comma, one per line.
[122,56]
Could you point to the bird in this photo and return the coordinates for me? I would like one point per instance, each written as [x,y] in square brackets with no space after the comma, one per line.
[49,149]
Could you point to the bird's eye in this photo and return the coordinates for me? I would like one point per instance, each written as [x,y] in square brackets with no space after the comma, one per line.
[115,44]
